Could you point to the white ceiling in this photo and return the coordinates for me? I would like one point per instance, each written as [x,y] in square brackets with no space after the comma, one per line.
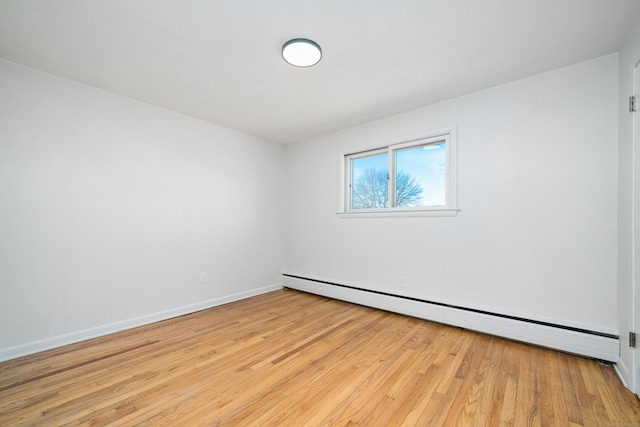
[219,60]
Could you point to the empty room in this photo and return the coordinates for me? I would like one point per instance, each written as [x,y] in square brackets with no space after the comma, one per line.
[319,213]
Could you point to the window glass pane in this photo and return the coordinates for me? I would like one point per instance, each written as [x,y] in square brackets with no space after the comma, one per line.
[421,175]
[369,182]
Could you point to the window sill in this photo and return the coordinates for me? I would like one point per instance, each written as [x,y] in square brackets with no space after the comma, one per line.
[398,213]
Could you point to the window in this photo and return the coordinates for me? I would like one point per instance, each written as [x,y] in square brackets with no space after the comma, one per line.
[416,177]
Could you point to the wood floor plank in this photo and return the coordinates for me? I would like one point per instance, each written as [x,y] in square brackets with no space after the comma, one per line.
[574,412]
[554,378]
[288,358]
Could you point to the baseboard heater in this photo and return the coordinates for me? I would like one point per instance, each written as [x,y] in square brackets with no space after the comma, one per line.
[594,344]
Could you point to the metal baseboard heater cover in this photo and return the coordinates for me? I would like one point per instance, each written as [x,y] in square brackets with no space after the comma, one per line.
[594,344]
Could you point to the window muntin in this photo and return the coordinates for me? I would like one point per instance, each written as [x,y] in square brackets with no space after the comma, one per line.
[409,177]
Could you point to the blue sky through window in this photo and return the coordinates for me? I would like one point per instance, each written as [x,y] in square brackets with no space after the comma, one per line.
[360,165]
[427,164]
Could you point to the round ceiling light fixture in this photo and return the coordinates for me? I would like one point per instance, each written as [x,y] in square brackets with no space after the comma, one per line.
[301,52]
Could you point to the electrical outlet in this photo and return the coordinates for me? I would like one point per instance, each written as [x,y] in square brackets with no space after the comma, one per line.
[203,277]
[402,282]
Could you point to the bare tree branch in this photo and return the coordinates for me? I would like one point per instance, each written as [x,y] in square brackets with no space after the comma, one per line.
[371,190]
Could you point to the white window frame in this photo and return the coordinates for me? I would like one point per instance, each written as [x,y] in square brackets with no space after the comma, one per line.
[447,135]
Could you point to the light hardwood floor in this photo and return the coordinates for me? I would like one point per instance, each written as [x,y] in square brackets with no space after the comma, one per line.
[288,358]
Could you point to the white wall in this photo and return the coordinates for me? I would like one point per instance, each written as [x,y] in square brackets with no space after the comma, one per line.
[111,208]
[628,58]
[536,234]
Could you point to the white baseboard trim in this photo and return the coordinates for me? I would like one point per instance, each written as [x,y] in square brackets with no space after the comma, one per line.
[74,337]
[622,370]
[556,337]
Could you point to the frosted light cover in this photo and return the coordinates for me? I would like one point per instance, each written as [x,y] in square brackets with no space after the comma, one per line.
[301,52]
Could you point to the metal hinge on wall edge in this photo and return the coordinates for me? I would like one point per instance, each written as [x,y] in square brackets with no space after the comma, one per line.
[633,104]
[632,339]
